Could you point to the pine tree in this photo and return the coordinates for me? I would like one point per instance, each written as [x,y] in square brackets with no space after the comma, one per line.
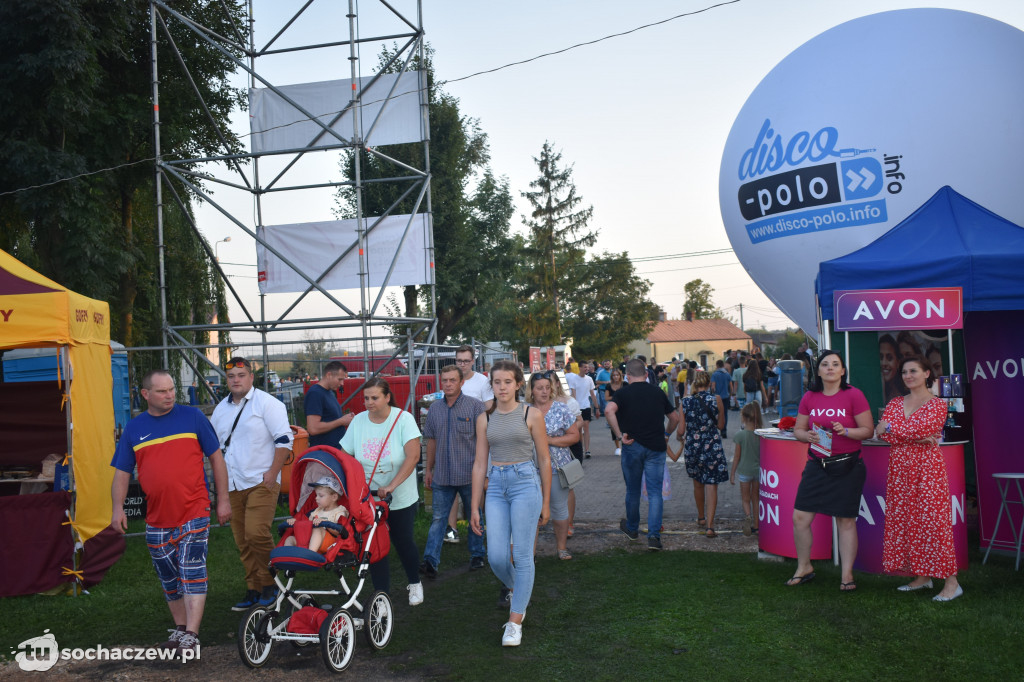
[557,242]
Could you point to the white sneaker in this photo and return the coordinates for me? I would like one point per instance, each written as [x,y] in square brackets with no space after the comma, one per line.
[513,634]
[415,594]
[618,452]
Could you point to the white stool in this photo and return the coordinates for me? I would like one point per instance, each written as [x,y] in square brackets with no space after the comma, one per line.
[1003,481]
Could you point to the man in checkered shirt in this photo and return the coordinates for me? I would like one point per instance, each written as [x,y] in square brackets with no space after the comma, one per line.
[450,430]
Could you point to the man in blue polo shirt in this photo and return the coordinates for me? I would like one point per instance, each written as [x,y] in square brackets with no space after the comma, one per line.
[450,430]
[324,421]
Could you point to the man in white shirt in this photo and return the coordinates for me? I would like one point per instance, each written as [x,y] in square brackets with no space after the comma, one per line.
[256,439]
[475,385]
[582,387]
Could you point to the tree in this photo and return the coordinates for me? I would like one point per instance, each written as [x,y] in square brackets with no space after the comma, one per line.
[698,302]
[789,342]
[558,237]
[315,353]
[472,209]
[609,309]
[76,90]
[558,293]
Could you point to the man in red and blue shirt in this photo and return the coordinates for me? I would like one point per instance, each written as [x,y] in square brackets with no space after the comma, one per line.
[167,443]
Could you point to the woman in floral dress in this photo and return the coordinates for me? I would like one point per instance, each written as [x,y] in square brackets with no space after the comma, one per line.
[918,537]
[701,419]
[562,429]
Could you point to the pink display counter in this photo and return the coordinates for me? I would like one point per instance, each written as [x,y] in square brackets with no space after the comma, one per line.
[782,464]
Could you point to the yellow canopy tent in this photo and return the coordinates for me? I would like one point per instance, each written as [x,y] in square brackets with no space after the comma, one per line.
[36,312]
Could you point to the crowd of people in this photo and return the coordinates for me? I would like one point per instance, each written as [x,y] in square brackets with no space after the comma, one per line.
[505,446]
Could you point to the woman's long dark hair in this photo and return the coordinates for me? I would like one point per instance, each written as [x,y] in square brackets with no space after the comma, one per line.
[755,367]
[817,385]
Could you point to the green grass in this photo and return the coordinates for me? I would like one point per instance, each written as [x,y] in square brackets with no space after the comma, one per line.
[612,616]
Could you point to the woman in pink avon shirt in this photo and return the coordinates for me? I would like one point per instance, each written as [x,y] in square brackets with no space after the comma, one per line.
[833,478]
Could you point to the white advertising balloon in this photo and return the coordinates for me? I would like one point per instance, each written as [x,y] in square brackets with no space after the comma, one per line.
[857,128]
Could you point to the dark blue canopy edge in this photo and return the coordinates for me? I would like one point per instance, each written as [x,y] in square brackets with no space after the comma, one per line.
[950,241]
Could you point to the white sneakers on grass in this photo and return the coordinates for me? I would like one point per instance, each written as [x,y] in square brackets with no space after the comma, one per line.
[415,594]
[513,635]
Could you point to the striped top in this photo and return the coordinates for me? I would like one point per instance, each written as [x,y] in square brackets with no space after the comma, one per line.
[509,437]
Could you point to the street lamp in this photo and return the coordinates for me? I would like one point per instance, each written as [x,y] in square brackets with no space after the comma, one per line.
[216,245]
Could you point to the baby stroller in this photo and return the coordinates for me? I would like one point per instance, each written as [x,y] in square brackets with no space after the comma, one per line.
[362,539]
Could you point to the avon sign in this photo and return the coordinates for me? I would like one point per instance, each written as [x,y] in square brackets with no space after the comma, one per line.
[881,309]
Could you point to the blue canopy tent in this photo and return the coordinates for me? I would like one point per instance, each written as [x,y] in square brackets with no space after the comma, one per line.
[949,242]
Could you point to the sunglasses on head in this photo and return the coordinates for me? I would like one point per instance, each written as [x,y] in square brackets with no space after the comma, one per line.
[237,363]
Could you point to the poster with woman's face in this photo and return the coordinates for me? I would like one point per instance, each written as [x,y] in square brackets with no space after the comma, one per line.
[894,346]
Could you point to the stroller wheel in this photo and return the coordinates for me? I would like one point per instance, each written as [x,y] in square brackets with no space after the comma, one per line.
[337,640]
[378,620]
[254,642]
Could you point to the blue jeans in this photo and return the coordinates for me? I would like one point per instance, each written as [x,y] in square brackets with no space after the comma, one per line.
[513,505]
[602,401]
[639,462]
[444,496]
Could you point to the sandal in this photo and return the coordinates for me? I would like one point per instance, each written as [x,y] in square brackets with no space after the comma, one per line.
[710,533]
[848,587]
[572,530]
[564,555]
[702,522]
[800,579]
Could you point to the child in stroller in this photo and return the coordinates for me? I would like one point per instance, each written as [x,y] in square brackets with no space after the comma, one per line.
[328,508]
[350,542]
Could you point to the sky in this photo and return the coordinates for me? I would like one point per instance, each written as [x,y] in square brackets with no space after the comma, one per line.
[641,118]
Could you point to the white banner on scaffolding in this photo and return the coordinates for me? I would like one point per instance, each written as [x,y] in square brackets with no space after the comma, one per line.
[312,247]
[388,117]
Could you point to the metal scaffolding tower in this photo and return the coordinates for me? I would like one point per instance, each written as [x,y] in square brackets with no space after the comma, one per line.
[270,178]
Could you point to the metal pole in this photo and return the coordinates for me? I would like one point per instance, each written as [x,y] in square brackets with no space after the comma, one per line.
[357,149]
[846,353]
[949,343]
[425,108]
[159,186]
[259,202]
[64,369]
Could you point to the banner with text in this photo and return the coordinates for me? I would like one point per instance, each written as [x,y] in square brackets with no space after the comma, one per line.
[995,369]
[887,309]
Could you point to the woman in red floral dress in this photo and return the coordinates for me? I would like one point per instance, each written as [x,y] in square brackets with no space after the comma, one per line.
[918,516]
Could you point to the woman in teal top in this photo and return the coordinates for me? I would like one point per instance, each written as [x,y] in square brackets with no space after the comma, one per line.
[386,441]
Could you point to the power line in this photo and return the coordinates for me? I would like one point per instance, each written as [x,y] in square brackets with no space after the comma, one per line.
[453,80]
[75,177]
[695,267]
[590,42]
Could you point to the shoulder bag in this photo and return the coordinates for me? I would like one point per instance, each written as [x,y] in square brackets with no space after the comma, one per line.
[570,474]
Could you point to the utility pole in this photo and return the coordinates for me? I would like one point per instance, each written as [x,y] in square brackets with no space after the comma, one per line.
[741,316]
